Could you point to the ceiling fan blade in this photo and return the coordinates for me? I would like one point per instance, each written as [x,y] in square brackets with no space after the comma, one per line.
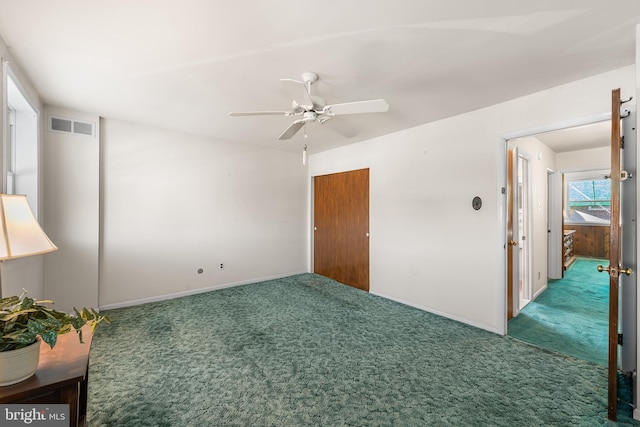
[261,113]
[358,107]
[292,130]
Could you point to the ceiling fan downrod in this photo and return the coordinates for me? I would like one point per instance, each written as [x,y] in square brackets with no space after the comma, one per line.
[309,78]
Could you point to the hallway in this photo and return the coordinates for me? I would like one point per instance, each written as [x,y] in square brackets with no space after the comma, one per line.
[571,316]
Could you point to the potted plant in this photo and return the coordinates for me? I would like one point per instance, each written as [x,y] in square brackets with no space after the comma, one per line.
[24,323]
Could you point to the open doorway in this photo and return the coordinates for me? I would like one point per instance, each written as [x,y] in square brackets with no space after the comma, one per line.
[548,158]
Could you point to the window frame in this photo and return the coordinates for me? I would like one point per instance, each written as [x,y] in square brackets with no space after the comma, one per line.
[593,175]
[21,151]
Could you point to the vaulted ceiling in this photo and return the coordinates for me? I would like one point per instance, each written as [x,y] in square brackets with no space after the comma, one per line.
[184,65]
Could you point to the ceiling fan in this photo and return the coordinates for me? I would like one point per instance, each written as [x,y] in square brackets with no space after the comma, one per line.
[315,109]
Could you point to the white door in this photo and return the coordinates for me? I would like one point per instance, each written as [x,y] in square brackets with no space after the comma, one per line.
[523,209]
[519,259]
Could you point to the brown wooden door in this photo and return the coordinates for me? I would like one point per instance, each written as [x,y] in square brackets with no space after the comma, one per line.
[512,231]
[515,235]
[614,269]
[341,227]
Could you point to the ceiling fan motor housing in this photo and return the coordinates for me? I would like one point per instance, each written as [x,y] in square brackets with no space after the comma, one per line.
[309,77]
[310,116]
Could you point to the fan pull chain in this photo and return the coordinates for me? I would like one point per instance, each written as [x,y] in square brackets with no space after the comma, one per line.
[304,155]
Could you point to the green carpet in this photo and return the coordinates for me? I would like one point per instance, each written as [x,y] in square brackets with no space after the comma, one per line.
[571,316]
[307,351]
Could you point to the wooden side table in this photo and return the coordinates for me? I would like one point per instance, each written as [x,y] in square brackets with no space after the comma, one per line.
[61,377]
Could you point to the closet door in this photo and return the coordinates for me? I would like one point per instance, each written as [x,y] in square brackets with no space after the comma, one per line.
[341,227]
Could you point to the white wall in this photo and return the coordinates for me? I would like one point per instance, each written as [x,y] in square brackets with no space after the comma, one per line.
[71,206]
[428,247]
[173,203]
[594,158]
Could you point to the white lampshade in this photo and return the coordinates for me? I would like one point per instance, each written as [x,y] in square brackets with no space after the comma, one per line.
[20,233]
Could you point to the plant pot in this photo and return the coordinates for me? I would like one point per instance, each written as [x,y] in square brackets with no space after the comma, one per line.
[18,365]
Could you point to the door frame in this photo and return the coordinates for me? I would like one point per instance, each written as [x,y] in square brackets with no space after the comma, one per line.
[501,323]
[628,286]
[627,127]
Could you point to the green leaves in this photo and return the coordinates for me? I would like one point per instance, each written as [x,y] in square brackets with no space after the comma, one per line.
[91,316]
[9,302]
[50,337]
[23,320]
[26,303]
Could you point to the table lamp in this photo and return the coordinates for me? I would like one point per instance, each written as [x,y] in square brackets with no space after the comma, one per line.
[20,233]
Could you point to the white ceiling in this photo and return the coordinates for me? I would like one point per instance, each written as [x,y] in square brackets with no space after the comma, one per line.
[184,65]
[584,137]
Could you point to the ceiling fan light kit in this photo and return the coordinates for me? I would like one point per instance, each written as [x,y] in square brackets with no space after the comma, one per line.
[315,108]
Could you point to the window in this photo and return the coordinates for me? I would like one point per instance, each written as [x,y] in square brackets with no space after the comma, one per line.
[10,151]
[21,149]
[587,198]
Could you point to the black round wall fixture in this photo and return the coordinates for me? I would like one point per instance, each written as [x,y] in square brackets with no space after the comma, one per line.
[476,203]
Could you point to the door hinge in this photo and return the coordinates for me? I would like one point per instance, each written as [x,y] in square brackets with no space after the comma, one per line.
[620,340]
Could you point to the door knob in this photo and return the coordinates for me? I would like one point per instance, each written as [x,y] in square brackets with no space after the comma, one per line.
[513,243]
[615,272]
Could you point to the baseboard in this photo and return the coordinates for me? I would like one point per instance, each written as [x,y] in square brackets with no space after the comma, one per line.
[636,414]
[173,295]
[436,312]
[541,290]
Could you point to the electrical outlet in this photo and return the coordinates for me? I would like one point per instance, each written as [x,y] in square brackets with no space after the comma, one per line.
[221,266]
